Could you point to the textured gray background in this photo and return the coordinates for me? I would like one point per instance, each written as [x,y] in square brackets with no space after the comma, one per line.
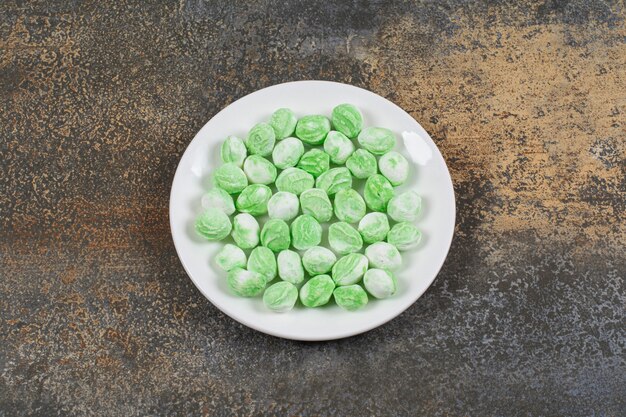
[526,101]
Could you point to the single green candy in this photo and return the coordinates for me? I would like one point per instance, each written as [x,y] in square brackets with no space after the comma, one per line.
[233,150]
[315,162]
[377,140]
[334,180]
[245,231]
[380,283]
[313,129]
[344,238]
[316,203]
[394,167]
[374,227]
[404,207]
[317,291]
[280,297]
[219,199]
[287,153]
[263,261]
[338,147]
[383,255]
[294,180]
[230,257]
[351,297]
[261,139]
[349,269]
[230,178]
[404,236]
[306,232]
[253,199]
[362,164]
[283,121]
[290,267]
[213,224]
[347,119]
[246,283]
[318,260]
[275,235]
[259,170]
[283,205]
[349,206]
[377,193]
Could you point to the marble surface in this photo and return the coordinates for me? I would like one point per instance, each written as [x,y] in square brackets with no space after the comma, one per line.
[526,100]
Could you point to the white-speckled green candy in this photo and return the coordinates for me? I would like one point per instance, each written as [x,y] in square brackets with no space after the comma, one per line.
[317,291]
[253,199]
[246,231]
[280,297]
[275,235]
[374,227]
[361,164]
[383,255]
[338,147]
[294,180]
[306,232]
[347,119]
[246,283]
[404,236]
[283,205]
[344,238]
[315,162]
[218,199]
[263,261]
[334,180]
[318,260]
[283,121]
[380,283]
[233,150]
[230,178]
[260,140]
[405,207]
[349,206]
[315,202]
[349,269]
[230,257]
[290,267]
[351,297]
[313,129]
[259,170]
[394,167]
[377,140]
[213,224]
[377,192]
[287,153]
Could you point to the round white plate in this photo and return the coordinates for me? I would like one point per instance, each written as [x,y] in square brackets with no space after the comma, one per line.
[429,176]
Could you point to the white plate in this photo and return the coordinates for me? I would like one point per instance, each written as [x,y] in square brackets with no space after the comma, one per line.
[429,176]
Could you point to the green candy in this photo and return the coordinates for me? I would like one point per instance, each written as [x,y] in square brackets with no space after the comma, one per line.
[294,180]
[287,153]
[383,255]
[344,238]
[245,231]
[246,283]
[233,150]
[259,170]
[318,260]
[317,291]
[280,297]
[347,119]
[283,206]
[374,227]
[404,236]
[283,121]
[290,267]
[404,207]
[263,261]
[361,164]
[349,206]
[230,178]
[230,257]
[315,162]
[394,167]
[253,199]
[261,139]
[377,193]
[380,283]
[306,232]
[275,235]
[338,147]
[213,224]
[218,199]
[351,297]
[349,269]
[334,180]
[313,129]
[315,202]
[377,140]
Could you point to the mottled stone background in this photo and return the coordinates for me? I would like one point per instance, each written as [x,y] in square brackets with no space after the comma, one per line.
[526,100]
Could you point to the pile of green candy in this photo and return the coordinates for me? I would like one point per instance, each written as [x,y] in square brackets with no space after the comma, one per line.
[299,173]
